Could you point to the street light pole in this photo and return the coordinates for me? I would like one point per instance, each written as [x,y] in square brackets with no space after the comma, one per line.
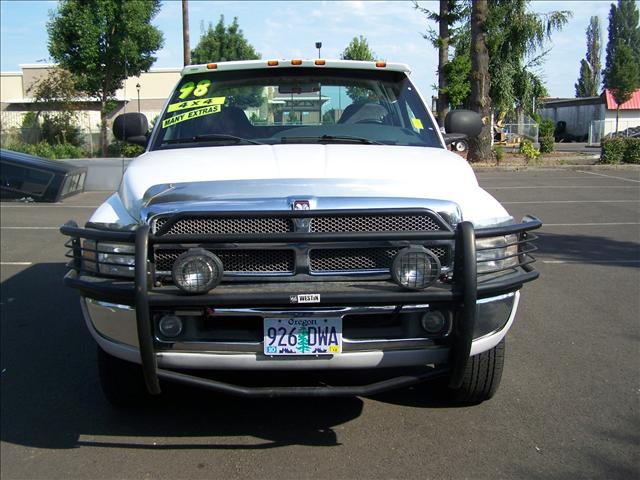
[318,46]
[186,48]
[138,89]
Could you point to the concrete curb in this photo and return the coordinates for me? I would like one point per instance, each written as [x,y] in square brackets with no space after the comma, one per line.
[103,174]
[512,168]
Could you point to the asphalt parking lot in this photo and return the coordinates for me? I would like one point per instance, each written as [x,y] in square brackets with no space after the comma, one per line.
[568,405]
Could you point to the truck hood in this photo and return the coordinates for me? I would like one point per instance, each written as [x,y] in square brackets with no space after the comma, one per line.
[234,175]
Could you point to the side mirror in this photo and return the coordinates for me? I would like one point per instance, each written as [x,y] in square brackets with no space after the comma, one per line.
[465,122]
[131,127]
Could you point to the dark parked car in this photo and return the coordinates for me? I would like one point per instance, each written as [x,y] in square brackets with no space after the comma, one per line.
[43,180]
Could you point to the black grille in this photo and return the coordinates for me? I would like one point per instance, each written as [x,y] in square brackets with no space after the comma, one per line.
[374,223]
[236,261]
[352,259]
[220,226]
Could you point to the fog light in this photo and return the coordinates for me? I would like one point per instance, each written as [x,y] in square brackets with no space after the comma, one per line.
[197,271]
[170,326]
[415,268]
[433,322]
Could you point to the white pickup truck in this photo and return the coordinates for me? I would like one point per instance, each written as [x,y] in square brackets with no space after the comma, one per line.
[299,215]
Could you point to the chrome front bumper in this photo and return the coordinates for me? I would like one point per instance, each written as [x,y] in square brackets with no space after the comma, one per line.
[113,326]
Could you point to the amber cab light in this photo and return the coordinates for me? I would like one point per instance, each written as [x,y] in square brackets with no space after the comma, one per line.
[212,66]
[320,62]
[296,62]
[381,64]
[272,63]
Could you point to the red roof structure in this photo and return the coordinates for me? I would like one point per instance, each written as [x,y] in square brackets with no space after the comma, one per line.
[632,104]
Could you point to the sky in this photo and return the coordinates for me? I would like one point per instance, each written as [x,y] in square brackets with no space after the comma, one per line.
[289,29]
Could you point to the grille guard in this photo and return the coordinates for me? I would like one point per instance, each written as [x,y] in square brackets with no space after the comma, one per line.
[465,288]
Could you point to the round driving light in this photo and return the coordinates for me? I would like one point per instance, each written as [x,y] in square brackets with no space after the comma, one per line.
[170,326]
[433,322]
[415,268]
[197,271]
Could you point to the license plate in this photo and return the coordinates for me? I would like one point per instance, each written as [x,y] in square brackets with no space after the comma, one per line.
[302,336]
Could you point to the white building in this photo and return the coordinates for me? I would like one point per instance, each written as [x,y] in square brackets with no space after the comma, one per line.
[592,118]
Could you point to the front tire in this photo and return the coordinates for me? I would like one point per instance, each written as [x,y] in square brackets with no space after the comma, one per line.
[481,378]
[122,382]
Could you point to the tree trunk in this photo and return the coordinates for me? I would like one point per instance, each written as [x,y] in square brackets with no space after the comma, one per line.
[103,125]
[480,147]
[617,115]
[442,105]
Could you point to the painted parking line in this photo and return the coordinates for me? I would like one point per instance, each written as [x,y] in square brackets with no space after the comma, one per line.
[610,176]
[569,201]
[524,174]
[608,224]
[16,263]
[488,187]
[31,205]
[591,262]
[30,228]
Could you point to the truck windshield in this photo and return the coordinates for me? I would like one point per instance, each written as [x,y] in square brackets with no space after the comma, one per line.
[295,105]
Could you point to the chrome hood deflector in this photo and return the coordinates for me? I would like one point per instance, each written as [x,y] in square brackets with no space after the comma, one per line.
[279,194]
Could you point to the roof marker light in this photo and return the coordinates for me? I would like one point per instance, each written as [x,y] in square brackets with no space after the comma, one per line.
[381,64]
[296,62]
[272,63]
[320,62]
[212,66]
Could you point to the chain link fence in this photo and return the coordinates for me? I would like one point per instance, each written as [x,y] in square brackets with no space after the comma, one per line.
[601,129]
[514,133]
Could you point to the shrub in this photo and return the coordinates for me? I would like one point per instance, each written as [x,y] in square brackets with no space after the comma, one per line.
[30,128]
[498,153]
[67,150]
[632,150]
[546,144]
[58,130]
[124,149]
[44,150]
[613,150]
[546,128]
[529,151]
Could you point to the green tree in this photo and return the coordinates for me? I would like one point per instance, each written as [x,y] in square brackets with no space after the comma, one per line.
[585,86]
[588,84]
[55,99]
[223,44]
[623,76]
[517,45]
[516,41]
[358,49]
[622,71]
[450,12]
[101,43]
[623,29]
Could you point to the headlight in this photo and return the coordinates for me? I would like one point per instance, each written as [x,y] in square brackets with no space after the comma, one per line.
[197,271]
[496,253]
[415,268]
[108,258]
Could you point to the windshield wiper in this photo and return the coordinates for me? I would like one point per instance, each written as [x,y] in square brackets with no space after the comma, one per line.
[212,137]
[329,138]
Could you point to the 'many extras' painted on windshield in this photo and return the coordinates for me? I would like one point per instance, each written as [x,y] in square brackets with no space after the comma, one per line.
[190,115]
